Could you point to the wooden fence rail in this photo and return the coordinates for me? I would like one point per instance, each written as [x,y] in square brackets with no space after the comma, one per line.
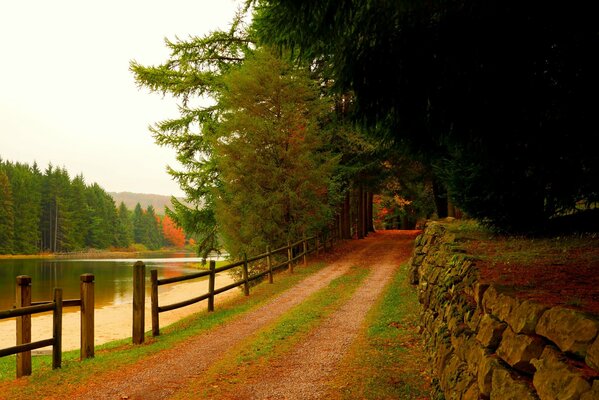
[23,310]
[156,309]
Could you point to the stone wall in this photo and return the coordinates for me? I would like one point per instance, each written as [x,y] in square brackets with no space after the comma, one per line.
[484,342]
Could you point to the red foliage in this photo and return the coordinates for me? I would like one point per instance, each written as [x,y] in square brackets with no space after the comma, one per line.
[172,233]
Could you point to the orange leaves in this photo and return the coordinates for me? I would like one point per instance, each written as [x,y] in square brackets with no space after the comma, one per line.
[172,233]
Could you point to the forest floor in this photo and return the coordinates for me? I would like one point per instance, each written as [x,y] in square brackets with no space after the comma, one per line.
[345,330]
[554,270]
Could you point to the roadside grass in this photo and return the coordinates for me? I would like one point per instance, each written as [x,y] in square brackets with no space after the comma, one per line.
[246,361]
[47,382]
[387,360]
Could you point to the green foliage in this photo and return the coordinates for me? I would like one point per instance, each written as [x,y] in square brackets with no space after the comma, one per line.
[274,174]
[125,227]
[505,115]
[192,74]
[50,212]
[146,228]
[6,215]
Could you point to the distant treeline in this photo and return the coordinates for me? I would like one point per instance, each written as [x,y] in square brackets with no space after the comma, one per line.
[50,212]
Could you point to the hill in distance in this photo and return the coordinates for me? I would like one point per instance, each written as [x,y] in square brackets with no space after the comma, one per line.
[144,199]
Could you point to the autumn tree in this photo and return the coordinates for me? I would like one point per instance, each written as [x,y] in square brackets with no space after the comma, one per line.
[173,235]
[193,75]
[274,174]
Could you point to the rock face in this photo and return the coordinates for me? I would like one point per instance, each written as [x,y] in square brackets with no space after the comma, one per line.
[484,342]
[571,331]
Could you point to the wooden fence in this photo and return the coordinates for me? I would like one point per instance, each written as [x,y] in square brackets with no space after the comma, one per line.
[23,310]
[307,246]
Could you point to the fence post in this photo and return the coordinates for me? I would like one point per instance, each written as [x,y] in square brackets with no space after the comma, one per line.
[87,315]
[289,256]
[211,282]
[139,300]
[154,300]
[305,246]
[246,284]
[57,329]
[23,299]
[269,263]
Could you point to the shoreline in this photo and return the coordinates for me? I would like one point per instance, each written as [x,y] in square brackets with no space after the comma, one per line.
[115,321]
[94,254]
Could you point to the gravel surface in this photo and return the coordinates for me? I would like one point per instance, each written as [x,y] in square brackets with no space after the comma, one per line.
[303,373]
[161,375]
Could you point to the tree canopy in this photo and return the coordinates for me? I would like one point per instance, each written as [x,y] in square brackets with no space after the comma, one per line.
[498,97]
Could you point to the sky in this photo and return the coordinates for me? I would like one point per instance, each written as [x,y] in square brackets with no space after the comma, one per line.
[67,96]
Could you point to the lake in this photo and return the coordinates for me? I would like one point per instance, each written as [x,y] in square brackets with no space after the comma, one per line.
[113,277]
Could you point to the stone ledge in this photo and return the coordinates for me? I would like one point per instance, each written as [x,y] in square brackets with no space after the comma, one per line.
[571,331]
[554,379]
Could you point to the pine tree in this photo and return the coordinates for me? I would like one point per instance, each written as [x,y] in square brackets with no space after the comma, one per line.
[139,228]
[6,215]
[124,227]
[275,175]
[26,188]
[154,239]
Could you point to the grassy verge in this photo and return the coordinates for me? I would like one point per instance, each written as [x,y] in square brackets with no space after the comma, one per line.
[50,382]
[246,362]
[387,359]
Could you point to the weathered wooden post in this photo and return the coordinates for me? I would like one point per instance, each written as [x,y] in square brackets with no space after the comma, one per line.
[139,301]
[305,247]
[289,257]
[87,315]
[57,329]
[211,282]
[246,283]
[269,263]
[23,299]
[154,300]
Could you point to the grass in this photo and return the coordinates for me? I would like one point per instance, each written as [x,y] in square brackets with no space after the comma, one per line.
[245,361]
[50,382]
[387,360]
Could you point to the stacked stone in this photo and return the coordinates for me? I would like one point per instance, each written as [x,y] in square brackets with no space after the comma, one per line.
[484,342]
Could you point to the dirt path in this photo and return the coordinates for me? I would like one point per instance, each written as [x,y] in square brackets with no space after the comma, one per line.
[299,375]
[303,374]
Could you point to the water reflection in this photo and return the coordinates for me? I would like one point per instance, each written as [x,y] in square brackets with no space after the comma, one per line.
[114,277]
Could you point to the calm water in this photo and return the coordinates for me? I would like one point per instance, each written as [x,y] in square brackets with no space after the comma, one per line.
[113,283]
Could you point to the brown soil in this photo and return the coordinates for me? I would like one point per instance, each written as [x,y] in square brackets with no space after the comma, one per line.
[300,375]
[553,271]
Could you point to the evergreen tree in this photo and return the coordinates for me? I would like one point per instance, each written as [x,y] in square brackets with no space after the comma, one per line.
[26,189]
[139,228]
[6,215]
[80,212]
[153,230]
[275,176]
[103,228]
[195,70]
[124,227]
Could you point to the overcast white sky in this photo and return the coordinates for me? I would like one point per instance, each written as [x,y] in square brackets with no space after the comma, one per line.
[66,93]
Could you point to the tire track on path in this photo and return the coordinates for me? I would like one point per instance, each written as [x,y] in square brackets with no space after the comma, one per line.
[304,373]
[162,374]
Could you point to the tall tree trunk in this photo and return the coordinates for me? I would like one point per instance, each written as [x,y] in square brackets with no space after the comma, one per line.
[346,224]
[440,196]
[360,212]
[370,212]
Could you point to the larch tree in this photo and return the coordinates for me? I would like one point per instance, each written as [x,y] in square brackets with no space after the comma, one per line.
[274,173]
[193,76]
